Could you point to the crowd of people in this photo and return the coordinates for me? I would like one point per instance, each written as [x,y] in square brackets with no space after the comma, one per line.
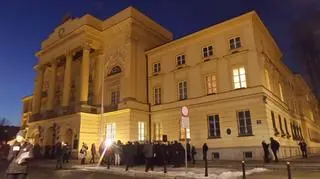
[274,146]
[139,153]
[20,151]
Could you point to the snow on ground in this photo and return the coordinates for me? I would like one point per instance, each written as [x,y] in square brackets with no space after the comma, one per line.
[192,173]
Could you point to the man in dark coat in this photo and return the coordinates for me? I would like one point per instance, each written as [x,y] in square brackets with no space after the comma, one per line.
[93,153]
[59,155]
[204,151]
[303,148]
[19,155]
[265,147]
[274,147]
[193,153]
[148,152]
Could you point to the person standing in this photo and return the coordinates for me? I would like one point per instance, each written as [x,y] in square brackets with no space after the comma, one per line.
[59,155]
[117,153]
[303,148]
[265,147]
[193,153]
[19,155]
[83,153]
[148,154]
[204,151]
[93,153]
[275,145]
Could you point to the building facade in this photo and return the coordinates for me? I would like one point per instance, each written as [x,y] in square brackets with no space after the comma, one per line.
[230,76]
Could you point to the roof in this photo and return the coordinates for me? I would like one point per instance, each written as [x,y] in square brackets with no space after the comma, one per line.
[247,16]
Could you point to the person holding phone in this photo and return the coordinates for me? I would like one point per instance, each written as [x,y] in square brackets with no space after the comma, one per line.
[20,153]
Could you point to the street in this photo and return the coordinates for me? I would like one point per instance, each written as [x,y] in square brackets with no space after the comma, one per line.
[45,169]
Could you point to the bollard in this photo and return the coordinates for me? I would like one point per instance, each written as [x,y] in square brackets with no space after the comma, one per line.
[289,170]
[127,167]
[206,167]
[243,170]
[164,166]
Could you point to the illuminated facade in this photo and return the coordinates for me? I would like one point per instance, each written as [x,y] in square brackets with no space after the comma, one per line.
[229,75]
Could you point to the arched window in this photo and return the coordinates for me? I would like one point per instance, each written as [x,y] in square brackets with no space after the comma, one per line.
[115,70]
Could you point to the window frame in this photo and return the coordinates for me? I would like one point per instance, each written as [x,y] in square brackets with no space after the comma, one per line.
[246,127]
[182,60]
[113,132]
[141,131]
[242,86]
[184,90]
[209,128]
[157,98]
[156,67]
[234,42]
[207,51]
[117,97]
[214,85]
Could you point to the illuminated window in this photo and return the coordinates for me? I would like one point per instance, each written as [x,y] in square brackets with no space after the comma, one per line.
[157,131]
[111,132]
[157,95]
[214,126]
[181,60]
[244,123]
[266,75]
[183,133]
[281,94]
[115,97]
[156,68]
[182,89]
[239,78]
[141,133]
[211,84]
[235,43]
[207,51]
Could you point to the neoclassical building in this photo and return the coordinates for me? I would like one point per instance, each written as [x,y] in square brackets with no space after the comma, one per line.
[125,78]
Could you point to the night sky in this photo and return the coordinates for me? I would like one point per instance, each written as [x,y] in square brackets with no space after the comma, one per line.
[24,24]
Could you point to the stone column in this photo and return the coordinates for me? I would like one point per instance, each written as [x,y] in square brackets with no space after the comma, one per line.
[84,87]
[37,90]
[67,80]
[52,86]
[98,78]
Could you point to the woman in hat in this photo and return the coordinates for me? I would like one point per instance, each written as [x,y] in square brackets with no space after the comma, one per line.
[19,155]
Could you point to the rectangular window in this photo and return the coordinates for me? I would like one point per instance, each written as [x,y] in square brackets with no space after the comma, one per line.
[239,78]
[157,131]
[214,126]
[266,75]
[281,92]
[157,95]
[156,67]
[235,43]
[115,97]
[244,123]
[141,134]
[181,60]
[111,132]
[274,123]
[286,127]
[280,123]
[182,89]
[211,84]
[207,51]
[247,154]
[183,133]
[215,155]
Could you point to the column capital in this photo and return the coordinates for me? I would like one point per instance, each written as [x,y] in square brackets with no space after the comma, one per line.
[86,46]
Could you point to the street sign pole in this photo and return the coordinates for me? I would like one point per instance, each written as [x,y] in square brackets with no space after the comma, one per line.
[185,153]
[185,124]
